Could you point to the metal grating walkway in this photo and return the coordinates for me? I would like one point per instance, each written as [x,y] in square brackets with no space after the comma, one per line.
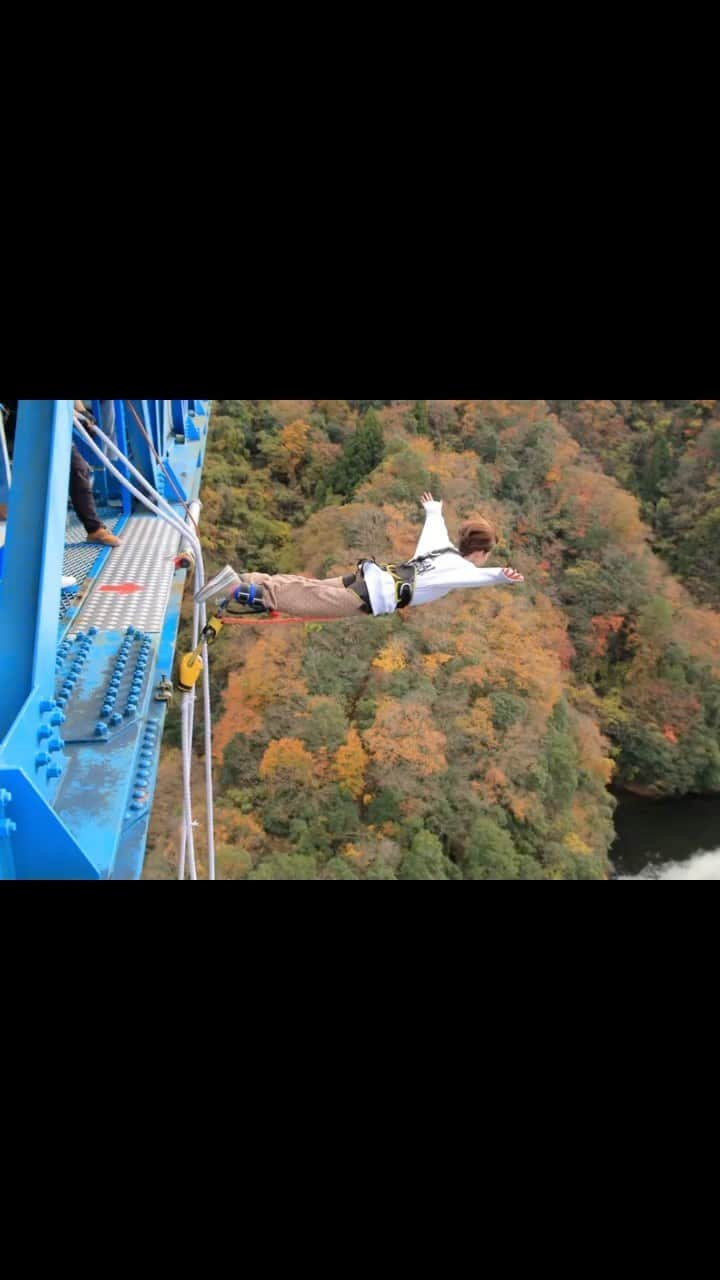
[133,586]
[81,556]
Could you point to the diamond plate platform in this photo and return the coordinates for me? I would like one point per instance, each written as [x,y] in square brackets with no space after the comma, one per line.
[133,586]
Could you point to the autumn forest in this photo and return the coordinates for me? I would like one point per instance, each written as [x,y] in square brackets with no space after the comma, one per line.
[486,736]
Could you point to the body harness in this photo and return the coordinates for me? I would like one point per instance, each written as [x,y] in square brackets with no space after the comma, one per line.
[404,576]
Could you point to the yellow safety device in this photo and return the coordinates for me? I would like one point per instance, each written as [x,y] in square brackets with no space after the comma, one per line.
[189,671]
[191,664]
[211,630]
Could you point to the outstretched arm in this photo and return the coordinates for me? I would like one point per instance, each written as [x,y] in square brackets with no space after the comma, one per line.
[434,535]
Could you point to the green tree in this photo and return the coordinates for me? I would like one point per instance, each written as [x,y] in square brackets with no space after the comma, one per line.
[339,869]
[286,866]
[490,853]
[326,726]
[561,760]
[425,860]
[363,451]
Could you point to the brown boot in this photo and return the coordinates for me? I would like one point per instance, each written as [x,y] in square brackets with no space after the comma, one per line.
[103,536]
[3,510]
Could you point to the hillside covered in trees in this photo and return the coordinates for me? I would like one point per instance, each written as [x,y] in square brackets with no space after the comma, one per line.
[666,452]
[476,738]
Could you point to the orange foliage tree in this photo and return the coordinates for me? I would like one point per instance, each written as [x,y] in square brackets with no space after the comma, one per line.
[288,760]
[403,733]
[269,665]
[351,761]
[294,445]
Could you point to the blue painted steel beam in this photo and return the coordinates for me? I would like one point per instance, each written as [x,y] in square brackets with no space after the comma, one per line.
[122,442]
[4,464]
[178,414]
[31,767]
[33,560]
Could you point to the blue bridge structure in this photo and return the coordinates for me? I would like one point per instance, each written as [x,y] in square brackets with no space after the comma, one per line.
[87,671]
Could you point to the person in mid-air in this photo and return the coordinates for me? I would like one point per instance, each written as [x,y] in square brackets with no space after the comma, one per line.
[437,567]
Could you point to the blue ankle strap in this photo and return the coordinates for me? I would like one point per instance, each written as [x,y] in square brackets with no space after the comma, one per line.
[239,593]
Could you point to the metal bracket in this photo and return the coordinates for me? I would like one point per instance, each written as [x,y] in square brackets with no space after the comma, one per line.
[164,691]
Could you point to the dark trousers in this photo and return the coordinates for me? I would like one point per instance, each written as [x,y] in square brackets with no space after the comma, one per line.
[81,494]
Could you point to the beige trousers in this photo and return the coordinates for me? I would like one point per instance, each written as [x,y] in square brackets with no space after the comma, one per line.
[306,597]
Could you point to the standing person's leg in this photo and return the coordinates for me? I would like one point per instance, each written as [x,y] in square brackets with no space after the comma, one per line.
[81,496]
[306,597]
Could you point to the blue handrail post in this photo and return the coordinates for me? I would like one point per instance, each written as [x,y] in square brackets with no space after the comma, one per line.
[33,561]
[33,839]
[122,442]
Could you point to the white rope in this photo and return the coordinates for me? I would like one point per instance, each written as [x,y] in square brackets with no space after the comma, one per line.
[160,507]
[188,840]
[208,770]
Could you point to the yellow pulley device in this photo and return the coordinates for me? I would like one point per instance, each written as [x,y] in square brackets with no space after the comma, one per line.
[191,664]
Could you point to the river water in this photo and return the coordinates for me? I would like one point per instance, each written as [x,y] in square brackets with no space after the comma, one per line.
[667,839]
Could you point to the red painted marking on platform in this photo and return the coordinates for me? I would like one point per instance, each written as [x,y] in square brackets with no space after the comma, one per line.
[124,588]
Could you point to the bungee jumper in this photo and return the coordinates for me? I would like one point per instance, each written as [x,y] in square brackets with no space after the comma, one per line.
[437,568]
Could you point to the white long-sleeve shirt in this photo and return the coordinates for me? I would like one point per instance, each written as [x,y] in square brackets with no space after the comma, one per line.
[435,578]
